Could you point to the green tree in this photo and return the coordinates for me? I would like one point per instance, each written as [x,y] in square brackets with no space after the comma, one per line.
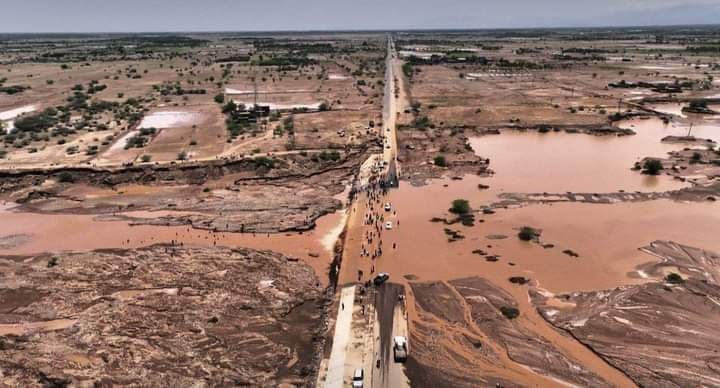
[460,206]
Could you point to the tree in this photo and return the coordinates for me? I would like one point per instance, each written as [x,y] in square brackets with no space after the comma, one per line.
[440,161]
[652,166]
[220,98]
[460,206]
[229,107]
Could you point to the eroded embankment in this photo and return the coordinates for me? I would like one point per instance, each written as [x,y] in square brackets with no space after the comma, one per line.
[663,333]
[238,196]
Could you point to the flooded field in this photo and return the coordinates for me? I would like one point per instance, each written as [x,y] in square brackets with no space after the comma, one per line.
[606,238]
[561,162]
[30,233]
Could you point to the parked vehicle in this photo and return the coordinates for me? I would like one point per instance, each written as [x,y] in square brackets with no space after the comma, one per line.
[381,278]
[388,207]
[358,377]
[388,225]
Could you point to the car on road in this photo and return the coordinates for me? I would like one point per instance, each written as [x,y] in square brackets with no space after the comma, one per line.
[388,207]
[388,225]
[381,278]
[358,377]
[400,348]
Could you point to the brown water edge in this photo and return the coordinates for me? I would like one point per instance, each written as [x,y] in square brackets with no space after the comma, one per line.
[67,232]
[557,162]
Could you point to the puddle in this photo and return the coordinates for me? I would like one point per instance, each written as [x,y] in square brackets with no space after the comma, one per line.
[274,106]
[673,109]
[170,119]
[9,115]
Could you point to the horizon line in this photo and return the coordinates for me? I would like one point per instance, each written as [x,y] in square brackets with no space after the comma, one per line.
[373,30]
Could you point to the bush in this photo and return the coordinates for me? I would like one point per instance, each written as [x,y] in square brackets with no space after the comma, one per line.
[652,166]
[220,98]
[674,278]
[528,233]
[510,312]
[182,156]
[65,177]
[460,206]
[145,158]
[52,262]
[440,161]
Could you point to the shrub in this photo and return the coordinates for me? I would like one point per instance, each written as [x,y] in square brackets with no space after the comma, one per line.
[65,177]
[440,161]
[460,206]
[182,156]
[510,312]
[528,233]
[220,98]
[674,278]
[145,158]
[52,262]
[652,166]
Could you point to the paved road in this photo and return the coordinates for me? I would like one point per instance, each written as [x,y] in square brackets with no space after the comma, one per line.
[341,339]
[362,342]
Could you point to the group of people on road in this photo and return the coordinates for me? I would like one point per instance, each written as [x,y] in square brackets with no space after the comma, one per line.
[375,217]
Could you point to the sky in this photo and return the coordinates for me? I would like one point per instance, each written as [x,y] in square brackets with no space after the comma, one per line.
[30,16]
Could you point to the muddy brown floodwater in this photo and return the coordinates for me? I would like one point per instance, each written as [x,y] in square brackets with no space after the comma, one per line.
[557,162]
[39,233]
[603,239]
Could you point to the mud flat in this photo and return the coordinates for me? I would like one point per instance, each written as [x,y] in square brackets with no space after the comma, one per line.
[662,333]
[158,315]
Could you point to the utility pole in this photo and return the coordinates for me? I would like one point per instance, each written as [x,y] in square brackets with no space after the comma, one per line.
[690,129]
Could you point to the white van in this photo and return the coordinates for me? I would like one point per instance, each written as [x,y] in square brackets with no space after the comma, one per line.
[358,376]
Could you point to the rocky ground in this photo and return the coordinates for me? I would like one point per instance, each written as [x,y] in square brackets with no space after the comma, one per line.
[662,333]
[158,316]
[479,325]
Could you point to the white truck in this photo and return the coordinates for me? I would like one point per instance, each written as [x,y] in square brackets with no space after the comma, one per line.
[400,348]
